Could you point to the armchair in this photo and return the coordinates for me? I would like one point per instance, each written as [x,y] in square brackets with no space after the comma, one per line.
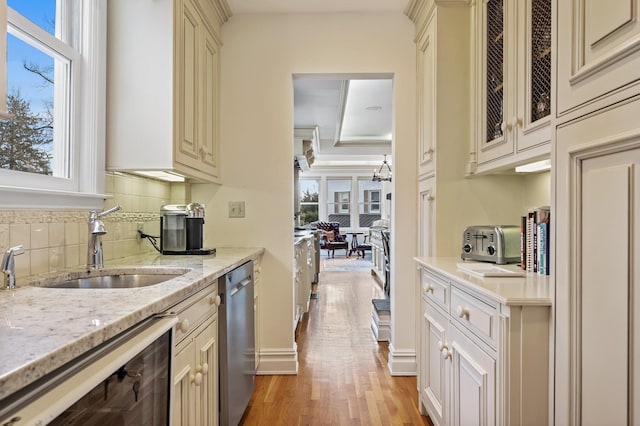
[332,239]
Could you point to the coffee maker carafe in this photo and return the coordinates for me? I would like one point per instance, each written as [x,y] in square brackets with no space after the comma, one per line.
[181,229]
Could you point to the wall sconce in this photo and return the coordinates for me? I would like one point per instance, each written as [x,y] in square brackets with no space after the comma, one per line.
[382,174]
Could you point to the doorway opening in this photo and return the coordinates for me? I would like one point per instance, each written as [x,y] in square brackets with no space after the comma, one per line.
[343,146]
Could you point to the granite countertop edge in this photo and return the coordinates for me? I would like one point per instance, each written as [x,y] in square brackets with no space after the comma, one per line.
[38,334]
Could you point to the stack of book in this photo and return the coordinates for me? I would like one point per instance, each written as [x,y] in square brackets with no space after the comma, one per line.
[534,240]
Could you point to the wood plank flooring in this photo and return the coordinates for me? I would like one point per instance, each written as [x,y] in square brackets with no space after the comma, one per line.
[343,377]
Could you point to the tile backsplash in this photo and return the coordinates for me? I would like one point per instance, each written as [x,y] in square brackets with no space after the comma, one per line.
[58,239]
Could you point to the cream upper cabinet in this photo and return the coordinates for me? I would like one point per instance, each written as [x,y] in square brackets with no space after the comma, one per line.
[426,99]
[598,53]
[598,267]
[442,55]
[512,83]
[163,103]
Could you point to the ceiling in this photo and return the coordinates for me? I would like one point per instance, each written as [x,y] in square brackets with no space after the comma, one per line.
[352,116]
[352,113]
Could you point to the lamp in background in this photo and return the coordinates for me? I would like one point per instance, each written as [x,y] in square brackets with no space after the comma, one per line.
[382,174]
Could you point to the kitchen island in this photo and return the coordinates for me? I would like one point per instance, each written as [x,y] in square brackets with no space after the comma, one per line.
[44,328]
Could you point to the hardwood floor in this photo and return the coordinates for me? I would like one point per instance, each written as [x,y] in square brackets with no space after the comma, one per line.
[343,377]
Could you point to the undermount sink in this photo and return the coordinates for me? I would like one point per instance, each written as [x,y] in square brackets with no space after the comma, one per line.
[106,279]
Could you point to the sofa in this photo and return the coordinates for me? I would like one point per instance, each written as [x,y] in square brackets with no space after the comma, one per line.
[332,239]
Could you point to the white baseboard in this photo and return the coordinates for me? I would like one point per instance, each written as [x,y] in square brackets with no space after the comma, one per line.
[402,363]
[278,361]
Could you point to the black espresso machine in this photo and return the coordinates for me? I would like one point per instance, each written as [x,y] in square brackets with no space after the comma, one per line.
[181,229]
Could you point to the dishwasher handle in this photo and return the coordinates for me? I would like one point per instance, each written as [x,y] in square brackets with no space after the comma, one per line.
[242,284]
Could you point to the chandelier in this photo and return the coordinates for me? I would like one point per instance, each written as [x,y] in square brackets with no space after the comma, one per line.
[382,174]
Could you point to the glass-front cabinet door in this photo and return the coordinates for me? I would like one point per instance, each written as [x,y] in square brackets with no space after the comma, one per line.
[513,81]
[495,76]
[534,67]
[494,139]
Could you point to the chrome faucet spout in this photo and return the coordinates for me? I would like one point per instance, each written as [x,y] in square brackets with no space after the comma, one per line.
[8,266]
[96,230]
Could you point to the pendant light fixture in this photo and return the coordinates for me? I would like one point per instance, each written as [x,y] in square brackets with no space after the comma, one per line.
[382,174]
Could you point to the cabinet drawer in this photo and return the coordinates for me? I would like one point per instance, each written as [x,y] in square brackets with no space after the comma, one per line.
[435,289]
[476,315]
[194,311]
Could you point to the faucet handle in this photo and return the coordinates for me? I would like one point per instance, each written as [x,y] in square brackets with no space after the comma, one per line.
[109,211]
[16,250]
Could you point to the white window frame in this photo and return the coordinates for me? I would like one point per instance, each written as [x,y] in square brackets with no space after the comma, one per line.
[84,187]
[368,202]
[341,203]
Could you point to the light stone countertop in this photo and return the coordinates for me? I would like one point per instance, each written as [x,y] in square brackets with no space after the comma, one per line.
[42,328]
[532,289]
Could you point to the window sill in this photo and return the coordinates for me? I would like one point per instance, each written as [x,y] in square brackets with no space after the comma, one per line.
[25,198]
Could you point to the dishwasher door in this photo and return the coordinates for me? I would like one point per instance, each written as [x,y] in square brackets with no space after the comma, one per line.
[237,343]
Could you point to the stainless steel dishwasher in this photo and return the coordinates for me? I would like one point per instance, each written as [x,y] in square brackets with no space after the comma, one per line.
[237,343]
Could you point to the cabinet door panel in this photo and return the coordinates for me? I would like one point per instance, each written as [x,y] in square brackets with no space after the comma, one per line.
[210,124]
[606,322]
[495,138]
[434,378]
[188,109]
[597,298]
[474,382]
[182,414]
[206,403]
[533,107]
[427,98]
[598,49]
[427,205]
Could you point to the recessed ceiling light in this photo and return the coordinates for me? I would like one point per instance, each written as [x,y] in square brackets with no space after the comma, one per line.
[373,108]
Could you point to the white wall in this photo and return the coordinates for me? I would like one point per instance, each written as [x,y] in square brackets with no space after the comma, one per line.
[259,56]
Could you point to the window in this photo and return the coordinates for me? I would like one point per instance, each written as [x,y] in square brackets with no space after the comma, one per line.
[372,201]
[339,201]
[309,195]
[54,145]
[369,193]
[342,201]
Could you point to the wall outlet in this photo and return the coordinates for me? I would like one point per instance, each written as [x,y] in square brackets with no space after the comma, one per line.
[236,208]
[139,228]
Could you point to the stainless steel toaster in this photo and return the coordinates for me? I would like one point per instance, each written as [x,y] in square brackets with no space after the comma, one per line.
[491,243]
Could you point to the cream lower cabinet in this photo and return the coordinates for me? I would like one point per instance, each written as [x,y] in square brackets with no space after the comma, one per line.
[482,362]
[257,280]
[598,267]
[303,276]
[195,363]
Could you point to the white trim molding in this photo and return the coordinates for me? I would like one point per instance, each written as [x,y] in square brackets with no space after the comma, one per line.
[402,362]
[278,361]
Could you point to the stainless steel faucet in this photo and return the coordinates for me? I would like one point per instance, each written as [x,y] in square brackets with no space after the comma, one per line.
[96,230]
[9,267]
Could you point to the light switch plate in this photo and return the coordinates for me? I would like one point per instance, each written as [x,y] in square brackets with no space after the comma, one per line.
[236,208]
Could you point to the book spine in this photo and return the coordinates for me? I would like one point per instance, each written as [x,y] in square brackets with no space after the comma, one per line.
[542,248]
[523,242]
[530,223]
